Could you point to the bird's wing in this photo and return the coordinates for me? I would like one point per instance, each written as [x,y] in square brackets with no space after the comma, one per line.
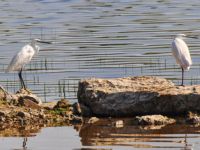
[14,63]
[21,59]
[181,53]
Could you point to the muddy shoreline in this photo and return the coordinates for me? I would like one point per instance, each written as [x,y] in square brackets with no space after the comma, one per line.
[24,113]
[25,110]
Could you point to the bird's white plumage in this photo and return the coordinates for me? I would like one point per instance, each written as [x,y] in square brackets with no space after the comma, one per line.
[181,52]
[23,57]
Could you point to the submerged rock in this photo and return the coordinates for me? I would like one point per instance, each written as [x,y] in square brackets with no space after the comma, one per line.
[118,123]
[93,120]
[153,120]
[131,96]
[193,118]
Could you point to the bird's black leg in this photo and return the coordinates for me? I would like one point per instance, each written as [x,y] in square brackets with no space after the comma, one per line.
[182,77]
[21,79]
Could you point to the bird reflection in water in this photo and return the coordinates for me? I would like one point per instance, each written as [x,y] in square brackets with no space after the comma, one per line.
[24,145]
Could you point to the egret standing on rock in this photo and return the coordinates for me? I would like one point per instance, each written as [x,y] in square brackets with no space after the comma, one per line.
[23,57]
[181,53]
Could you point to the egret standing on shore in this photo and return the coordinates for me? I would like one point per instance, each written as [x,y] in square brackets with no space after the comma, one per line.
[23,57]
[181,53]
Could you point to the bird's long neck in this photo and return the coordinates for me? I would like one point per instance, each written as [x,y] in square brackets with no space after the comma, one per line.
[33,44]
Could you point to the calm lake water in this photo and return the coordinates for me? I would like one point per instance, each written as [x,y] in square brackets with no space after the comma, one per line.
[94,38]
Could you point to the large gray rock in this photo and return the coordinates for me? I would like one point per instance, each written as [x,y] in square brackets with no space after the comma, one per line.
[133,96]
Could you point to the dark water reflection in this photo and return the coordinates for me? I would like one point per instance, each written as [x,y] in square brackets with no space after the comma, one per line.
[103,135]
[167,137]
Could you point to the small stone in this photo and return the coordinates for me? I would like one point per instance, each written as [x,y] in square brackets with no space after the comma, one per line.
[2,93]
[21,121]
[153,120]
[27,94]
[71,109]
[2,113]
[118,123]
[56,120]
[13,101]
[32,97]
[23,114]
[2,118]
[42,116]
[63,103]
[49,105]
[93,120]
[26,102]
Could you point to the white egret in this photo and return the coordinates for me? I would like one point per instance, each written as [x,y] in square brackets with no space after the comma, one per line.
[23,57]
[181,53]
